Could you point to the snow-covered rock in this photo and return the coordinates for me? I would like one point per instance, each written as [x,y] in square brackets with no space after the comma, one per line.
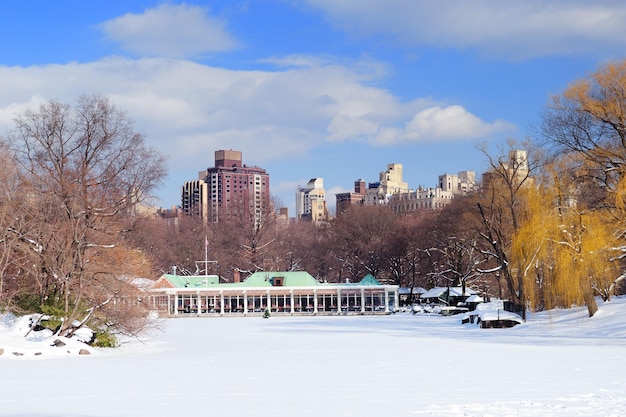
[20,341]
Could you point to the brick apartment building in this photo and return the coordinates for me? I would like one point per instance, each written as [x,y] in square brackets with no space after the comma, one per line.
[227,190]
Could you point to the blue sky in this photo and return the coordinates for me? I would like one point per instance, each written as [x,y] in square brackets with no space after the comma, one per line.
[335,89]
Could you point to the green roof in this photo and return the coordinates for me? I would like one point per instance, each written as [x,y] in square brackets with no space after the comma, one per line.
[369,280]
[289,279]
[193,281]
[259,279]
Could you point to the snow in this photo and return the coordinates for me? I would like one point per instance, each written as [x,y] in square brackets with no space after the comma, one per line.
[474,299]
[17,341]
[559,363]
[439,291]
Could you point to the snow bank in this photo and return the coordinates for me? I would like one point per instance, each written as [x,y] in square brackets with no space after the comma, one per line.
[18,340]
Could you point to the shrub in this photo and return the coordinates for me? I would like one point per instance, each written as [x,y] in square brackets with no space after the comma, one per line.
[54,313]
[104,339]
[27,303]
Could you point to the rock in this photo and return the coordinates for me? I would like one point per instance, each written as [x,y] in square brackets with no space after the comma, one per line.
[84,352]
[58,343]
[1,351]
[18,353]
[37,353]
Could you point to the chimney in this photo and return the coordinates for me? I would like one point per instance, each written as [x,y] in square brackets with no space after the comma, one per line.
[236,275]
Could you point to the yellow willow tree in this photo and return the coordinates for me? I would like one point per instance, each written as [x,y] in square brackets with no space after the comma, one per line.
[530,250]
[619,250]
[564,249]
[588,121]
[582,246]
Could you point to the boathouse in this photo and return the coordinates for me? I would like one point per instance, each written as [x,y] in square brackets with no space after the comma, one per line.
[289,293]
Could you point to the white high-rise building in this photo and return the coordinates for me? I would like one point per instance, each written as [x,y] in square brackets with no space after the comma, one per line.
[390,183]
[311,201]
[462,183]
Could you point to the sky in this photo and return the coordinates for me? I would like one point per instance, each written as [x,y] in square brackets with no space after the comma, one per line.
[559,363]
[332,89]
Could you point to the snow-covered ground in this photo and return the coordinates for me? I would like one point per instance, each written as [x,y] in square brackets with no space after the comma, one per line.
[559,363]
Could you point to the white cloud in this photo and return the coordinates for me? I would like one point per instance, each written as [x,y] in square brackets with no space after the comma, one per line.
[275,113]
[170,31]
[9,110]
[430,124]
[450,123]
[187,110]
[365,68]
[514,29]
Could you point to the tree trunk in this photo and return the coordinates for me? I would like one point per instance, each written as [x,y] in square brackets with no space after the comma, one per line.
[590,300]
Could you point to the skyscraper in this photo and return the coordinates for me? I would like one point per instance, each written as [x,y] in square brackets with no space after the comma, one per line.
[229,190]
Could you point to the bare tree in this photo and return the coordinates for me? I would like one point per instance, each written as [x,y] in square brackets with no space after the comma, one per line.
[12,226]
[82,169]
[500,208]
[589,119]
[247,238]
[360,236]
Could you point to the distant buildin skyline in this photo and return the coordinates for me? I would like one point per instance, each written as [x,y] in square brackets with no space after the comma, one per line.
[394,193]
[422,198]
[231,188]
[228,190]
[311,201]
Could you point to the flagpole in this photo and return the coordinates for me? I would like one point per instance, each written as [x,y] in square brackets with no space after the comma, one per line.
[206,256]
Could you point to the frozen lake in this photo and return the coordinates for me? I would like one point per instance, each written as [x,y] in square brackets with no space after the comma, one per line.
[556,364]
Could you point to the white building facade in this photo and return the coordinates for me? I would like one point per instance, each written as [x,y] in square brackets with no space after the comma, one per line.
[390,183]
[311,201]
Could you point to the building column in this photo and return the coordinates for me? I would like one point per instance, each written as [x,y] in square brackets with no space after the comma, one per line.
[338,300]
[245,303]
[386,301]
[291,301]
[221,303]
[175,303]
[396,299]
[198,303]
[269,301]
[315,301]
[362,300]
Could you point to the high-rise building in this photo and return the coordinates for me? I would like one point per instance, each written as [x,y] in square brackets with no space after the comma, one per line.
[311,201]
[390,182]
[228,190]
